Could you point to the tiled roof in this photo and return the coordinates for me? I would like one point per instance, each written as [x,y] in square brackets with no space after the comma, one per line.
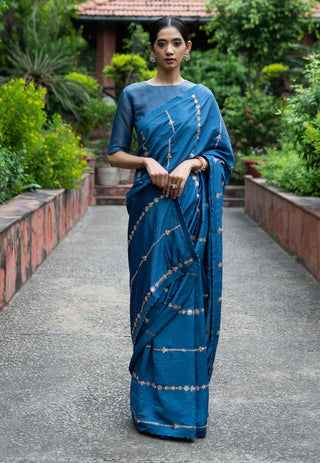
[143,8]
[148,9]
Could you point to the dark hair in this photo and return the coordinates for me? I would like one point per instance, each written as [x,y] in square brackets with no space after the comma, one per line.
[168,21]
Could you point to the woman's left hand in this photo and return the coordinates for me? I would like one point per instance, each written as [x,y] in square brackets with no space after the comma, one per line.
[177,179]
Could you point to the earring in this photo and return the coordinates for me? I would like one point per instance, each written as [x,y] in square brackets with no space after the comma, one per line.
[187,56]
[153,58]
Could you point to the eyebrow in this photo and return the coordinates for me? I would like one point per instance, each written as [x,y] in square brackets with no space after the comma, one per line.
[165,40]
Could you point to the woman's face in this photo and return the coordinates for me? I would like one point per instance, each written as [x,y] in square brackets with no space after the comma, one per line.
[169,48]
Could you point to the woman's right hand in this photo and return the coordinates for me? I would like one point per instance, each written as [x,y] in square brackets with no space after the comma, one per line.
[158,175]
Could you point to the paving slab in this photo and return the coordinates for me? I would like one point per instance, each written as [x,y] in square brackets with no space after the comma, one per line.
[65,347]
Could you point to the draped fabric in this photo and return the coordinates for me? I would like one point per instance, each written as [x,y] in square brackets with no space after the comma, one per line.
[175,261]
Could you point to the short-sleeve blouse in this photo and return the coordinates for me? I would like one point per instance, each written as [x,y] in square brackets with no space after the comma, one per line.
[135,102]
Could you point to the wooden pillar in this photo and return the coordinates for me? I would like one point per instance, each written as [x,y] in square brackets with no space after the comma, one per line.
[106,47]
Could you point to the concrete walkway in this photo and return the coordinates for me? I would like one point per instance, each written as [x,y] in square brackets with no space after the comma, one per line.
[65,348]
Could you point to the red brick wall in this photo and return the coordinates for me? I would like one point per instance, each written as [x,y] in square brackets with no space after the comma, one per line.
[293,221]
[31,225]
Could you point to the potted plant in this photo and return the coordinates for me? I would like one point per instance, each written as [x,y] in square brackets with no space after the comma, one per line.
[105,174]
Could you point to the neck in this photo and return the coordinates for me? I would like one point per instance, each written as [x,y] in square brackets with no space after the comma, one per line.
[170,78]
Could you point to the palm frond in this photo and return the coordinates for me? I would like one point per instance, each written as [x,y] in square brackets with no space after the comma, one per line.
[49,71]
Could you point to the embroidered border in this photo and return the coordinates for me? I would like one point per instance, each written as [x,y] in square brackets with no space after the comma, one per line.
[198,114]
[164,350]
[145,258]
[146,209]
[159,387]
[220,131]
[145,149]
[171,122]
[153,289]
[191,311]
[173,426]
[169,154]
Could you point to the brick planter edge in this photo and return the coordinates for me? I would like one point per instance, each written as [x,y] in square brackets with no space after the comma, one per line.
[292,221]
[31,225]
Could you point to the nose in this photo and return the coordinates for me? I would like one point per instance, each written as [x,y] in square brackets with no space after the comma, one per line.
[169,49]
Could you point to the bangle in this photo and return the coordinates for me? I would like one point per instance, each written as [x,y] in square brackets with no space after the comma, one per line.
[204,166]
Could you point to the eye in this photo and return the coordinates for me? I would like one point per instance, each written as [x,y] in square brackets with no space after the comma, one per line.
[177,43]
[161,44]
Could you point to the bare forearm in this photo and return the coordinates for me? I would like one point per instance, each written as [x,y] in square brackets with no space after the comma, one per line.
[126,160]
[130,161]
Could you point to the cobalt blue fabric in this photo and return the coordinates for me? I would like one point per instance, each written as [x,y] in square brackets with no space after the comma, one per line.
[175,261]
[135,102]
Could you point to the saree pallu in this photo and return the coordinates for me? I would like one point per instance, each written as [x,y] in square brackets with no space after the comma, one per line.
[175,262]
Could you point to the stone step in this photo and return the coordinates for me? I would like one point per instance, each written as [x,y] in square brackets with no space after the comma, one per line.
[234,191]
[114,190]
[109,200]
[233,202]
[116,194]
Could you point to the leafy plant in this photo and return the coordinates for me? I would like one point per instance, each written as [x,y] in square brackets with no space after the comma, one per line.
[21,115]
[220,72]
[49,72]
[31,153]
[261,31]
[287,170]
[90,83]
[312,137]
[43,25]
[300,114]
[137,42]
[96,112]
[12,175]
[252,120]
[126,69]
[59,161]
[3,7]
[275,74]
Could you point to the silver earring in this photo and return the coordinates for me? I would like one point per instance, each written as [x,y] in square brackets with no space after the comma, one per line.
[186,56]
[153,58]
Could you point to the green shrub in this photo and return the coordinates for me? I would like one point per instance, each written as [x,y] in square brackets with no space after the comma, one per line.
[274,71]
[91,84]
[12,176]
[288,171]
[312,136]
[222,73]
[21,115]
[59,161]
[126,69]
[252,120]
[274,75]
[30,152]
[96,112]
[300,114]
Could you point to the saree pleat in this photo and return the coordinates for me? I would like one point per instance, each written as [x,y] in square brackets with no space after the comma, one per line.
[175,260]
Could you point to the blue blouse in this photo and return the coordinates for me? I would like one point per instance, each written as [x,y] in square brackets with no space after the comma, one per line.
[135,102]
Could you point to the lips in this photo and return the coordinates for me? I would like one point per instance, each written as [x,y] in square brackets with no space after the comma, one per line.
[170,60]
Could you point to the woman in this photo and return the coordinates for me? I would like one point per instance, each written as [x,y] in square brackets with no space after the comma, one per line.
[174,238]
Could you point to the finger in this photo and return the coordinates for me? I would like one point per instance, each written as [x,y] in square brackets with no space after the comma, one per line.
[160,180]
[180,190]
[167,188]
[174,190]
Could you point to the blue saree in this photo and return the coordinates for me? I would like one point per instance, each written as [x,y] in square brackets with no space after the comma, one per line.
[175,262]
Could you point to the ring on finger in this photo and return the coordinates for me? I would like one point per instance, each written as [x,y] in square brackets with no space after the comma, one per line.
[173,186]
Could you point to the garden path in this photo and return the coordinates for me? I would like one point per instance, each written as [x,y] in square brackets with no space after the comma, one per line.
[65,348]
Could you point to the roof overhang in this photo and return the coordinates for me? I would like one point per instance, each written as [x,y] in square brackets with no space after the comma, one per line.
[104,19]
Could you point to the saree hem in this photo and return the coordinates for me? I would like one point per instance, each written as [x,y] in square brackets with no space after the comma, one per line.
[167,430]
